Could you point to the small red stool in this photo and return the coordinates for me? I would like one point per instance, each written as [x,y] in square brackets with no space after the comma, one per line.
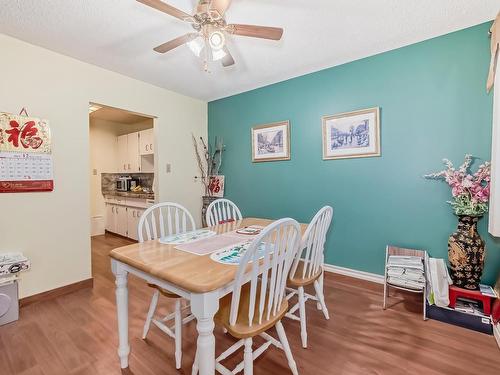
[456,292]
[495,314]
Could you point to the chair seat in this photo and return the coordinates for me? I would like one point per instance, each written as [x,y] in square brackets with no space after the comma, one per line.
[241,329]
[297,280]
[164,292]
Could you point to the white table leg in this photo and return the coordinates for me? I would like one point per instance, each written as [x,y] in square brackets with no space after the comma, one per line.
[122,312]
[204,306]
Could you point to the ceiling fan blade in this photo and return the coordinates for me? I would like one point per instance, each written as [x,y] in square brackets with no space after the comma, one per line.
[228,59]
[220,5]
[264,32]
[174,43]
[165,8]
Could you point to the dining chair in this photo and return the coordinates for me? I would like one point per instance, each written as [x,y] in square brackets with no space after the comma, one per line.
[307,269]
[222,211]
[160,220]
[258,299]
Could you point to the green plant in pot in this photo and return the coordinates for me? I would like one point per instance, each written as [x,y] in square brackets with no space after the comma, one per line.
[470,191]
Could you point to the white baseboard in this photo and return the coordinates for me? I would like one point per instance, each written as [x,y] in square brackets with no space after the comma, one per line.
[372,277]
[496,332]
[97,225]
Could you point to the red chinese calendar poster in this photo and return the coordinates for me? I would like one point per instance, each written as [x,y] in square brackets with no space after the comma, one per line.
[25,154]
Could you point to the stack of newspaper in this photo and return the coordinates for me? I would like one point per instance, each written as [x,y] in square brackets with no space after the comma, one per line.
[406,271]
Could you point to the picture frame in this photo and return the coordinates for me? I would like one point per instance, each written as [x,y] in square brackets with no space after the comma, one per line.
[271,142]
[353,134]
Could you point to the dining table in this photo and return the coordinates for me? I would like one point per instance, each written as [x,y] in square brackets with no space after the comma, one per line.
[197,278]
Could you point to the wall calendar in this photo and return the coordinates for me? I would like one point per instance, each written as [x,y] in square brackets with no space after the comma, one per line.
[25,154]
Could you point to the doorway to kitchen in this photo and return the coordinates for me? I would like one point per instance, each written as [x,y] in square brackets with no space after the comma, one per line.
[122,170]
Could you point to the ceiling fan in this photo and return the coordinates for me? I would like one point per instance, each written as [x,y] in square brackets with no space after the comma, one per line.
[211,30]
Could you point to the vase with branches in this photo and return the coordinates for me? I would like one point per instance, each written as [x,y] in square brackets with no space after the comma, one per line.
[209,159]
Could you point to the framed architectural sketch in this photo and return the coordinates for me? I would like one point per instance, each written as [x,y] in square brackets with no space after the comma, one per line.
[352,134]
[271,142]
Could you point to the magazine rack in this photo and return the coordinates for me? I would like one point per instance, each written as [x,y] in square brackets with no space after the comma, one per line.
[393,250]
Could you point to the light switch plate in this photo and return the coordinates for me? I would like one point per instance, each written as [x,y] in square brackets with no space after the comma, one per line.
[94,172]
[169,168]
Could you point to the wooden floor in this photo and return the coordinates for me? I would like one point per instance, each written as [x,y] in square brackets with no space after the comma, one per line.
[76,334]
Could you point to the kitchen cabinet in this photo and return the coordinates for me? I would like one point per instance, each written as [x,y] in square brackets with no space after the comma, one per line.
[110,218]
[133,161]
[133,216]
[116,219]
[123,214]
[146,141]
[122,153]
[128,153]
[121,221]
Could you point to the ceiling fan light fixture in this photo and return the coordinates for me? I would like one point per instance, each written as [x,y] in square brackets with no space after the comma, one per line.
[218,54]
[217,40]
[196,46]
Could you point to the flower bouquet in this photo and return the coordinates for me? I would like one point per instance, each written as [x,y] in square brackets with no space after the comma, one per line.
[470,192]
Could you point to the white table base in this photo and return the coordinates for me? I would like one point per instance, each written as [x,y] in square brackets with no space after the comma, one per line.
[203,306]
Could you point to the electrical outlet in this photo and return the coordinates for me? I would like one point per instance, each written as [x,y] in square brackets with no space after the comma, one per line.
[169,168]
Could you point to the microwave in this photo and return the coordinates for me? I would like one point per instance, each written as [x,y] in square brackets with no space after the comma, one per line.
[122,184]
[126,183]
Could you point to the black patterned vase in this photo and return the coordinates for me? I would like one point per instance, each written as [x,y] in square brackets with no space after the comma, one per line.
[466,253]
[206,202]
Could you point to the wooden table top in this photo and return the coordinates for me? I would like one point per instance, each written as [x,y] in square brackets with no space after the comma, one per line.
[194,273]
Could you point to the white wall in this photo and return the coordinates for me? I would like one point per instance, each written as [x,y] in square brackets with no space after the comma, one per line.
[103,159]
[53,229]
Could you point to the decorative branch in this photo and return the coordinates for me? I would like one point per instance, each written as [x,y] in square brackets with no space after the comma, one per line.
[209,164]
[201,167]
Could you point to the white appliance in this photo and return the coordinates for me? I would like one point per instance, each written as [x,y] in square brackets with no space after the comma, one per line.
[10,266]
[9,301]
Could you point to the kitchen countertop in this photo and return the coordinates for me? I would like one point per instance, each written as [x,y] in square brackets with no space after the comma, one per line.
[128,194]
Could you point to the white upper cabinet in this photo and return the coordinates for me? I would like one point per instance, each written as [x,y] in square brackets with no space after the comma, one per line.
[135,152]
[146,141]
[122,153]
[133,162]
[129,160]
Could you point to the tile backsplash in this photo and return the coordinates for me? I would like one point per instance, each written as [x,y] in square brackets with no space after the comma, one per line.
[108,180]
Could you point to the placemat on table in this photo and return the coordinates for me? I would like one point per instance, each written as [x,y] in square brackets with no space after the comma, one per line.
[187,237]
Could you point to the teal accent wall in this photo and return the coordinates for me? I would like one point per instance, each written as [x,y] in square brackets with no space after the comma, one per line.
[433,105]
